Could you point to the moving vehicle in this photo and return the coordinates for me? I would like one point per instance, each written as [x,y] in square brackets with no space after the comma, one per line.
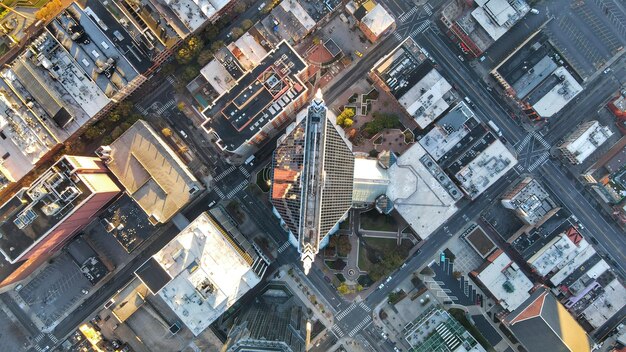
[495,128]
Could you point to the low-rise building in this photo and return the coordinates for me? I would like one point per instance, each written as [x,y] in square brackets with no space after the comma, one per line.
[204,270]
[373,19]
[558,253]
[607,176]
[468,151]
[151,172]
[38,220]
[421,192]
[581,143]
[411,78]
[530,202]
[478,24]
[538,78]
[617,105]
[504,280]
[542,321]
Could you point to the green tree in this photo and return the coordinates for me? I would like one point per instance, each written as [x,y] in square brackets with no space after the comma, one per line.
[236,32]
[246,24]
[216,45]
[204,57]
[316,40]
[211,32]
[93,132]
[239,8]
[189,72]
[184,55]
[343,289]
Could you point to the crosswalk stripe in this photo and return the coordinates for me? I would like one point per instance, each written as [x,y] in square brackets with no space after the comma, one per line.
[283,247]
[361,325]
[365,307]
[237,189]
[346,312]
[244,171]
[428,10]
[225,173]
[539,161]
[220,193]
[337,331]
[397,35]
[406,15]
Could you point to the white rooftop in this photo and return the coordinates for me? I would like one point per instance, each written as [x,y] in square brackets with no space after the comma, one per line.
[298,12]
[210,273]
[496,17]
[24,144]
[506,282]
[439,140]
[609,303]
[424,101]
[189,12]
[495,161]
[417,195]
[574,261]
[370,180]
[378,20]
[588,141]
[560,95]
[218,77]
[555,251]
[248,51]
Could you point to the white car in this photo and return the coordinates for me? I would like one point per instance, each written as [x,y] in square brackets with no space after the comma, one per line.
[388,279]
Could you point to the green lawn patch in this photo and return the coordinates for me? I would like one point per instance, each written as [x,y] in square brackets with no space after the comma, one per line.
[459,315]
[373,220]
[340,277]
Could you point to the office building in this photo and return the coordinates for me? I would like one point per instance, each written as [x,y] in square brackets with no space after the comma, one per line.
[276,322]
[151,172]
[204,270]
[476,25]
[373,19]
[581,143]
[249,105]
[503,279]
[38,220]
[530,202]
[84,61]
[437,330]
[409,75]
[607,176]
[538,78]
[312,179]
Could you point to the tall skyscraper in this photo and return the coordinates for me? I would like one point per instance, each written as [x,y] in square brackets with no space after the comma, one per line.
[312,173]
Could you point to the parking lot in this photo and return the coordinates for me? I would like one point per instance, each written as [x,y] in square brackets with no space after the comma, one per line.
[587,32]
[55,289]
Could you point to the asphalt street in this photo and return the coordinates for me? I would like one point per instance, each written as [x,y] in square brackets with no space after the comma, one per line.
[354,318]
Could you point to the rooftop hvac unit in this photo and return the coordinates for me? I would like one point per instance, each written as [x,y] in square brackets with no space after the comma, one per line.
[70,193]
